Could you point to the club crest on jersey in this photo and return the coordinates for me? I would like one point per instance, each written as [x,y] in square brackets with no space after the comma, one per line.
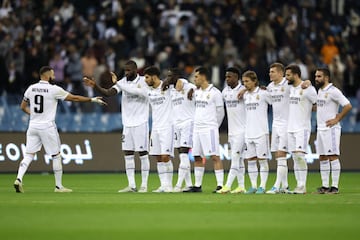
[257,97]
[182,91]
[326,95]
[301,92]
[282,89]
[208,96]
[139,86]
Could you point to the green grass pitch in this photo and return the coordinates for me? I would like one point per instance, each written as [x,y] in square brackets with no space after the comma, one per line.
[96,211]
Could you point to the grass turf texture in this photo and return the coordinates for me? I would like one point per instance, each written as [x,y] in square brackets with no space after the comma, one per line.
[96,211]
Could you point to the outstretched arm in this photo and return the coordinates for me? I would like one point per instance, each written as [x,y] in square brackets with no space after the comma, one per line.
[134,90]
[106,92]
[78,98]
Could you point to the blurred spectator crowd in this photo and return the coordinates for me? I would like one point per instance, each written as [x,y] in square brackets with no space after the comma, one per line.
[93,37]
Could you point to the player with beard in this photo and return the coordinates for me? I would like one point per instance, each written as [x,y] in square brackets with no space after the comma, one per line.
[301,103]
[329,99]
[135,116]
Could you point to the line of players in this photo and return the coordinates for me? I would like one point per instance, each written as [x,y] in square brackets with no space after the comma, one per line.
[187,116]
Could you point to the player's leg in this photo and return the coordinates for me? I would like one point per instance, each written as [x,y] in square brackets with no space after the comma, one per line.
[167,152]
[182,168]
[155,150]
[33,145]
[234,167]
[250,156]
[262,154]
[145,168]
[51,142]
[334,160]
[210,145]
[141,142]
[301,144]
[282,160]
[199,167]
[186,142]
[241,172]
[323,161]
[128,147]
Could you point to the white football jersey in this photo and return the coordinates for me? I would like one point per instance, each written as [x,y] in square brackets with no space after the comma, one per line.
[43,99]
[280,102]
[183,109]
[328,101]
[206,102]
[235,109]
[256,107]
[161,108]
[300,108]
[134,107]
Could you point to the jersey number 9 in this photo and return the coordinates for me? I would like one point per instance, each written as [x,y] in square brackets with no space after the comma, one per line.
[39,103]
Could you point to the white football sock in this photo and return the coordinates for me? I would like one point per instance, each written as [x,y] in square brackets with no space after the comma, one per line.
[219,174]
[335,172]
[199,173]
[302,168]
[169,172]
[234,169]
[145,168]
[281,178]
[184,157]
[264,172]
[130,170]
[325,172]
[182,171]
[253,172]
[24,164]
[241,173]
[57,168]
[161,172]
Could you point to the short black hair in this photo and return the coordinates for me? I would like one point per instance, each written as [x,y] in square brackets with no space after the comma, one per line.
[152,71]
[45,69]
[233,70]
[325,71]
[203,71]
[132,64]
[295,69]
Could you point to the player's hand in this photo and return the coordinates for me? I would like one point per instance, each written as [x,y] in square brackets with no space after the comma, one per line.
[165,85]
[331,122]
[190,94]
[98,100]
[113,77]
[306,84]
[89,81]
[241,94]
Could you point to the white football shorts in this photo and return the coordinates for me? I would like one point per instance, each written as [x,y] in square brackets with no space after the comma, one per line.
[298,141]
[136,138]
[206,142]
[257,147]
[279,140]
[183,135]
[48,137]
[162,141]
[328,141]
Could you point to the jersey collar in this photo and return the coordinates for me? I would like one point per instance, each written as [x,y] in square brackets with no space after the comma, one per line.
[328,87]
